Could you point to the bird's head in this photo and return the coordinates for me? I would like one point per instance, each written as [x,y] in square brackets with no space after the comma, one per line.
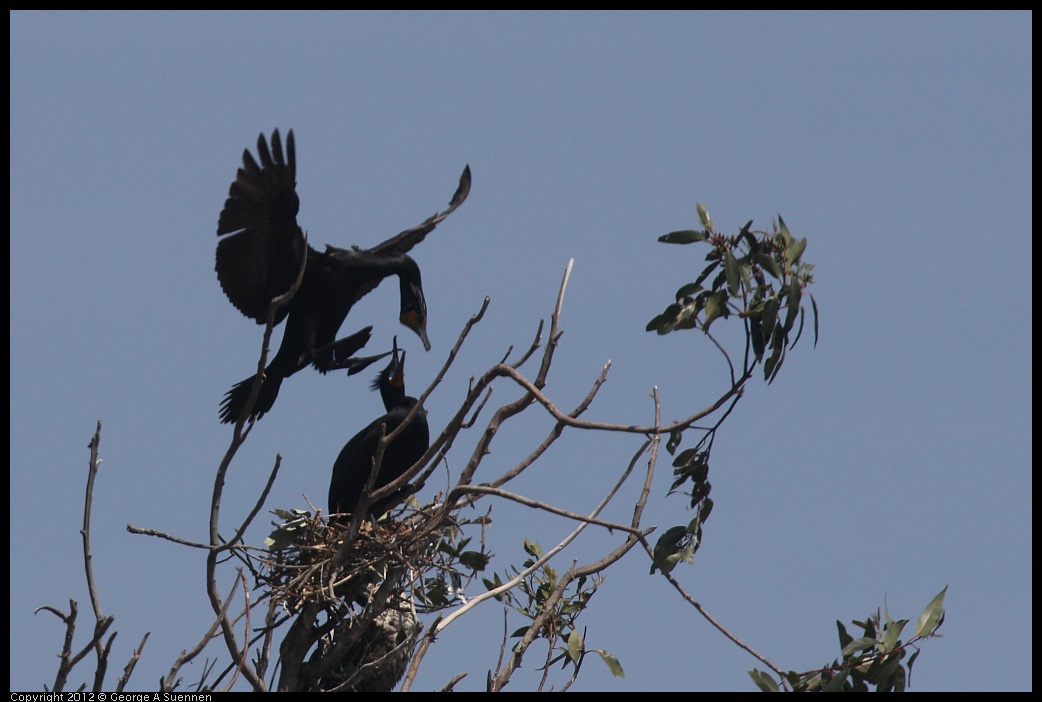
[414,305]
[391,380]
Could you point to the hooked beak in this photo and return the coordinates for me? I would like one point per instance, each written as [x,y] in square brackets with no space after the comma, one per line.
[414,321]
[357,365]
[422,333]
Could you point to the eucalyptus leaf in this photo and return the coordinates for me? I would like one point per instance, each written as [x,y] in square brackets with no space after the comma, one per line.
[732,273]
[763,681]
[683,236]
[815,306]
[859,644]
[932,616]
[613,664]
[575,645]
[687,290]
[793,304]
[768,263]
[787,238]
[703,216]
[716,307]
[794,251]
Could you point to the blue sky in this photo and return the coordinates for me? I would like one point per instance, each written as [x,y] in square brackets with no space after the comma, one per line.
[889,462]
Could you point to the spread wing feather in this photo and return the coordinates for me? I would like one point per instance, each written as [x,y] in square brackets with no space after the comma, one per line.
[260,253]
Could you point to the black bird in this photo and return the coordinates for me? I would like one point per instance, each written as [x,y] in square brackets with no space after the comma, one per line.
[259,259]
[355,462]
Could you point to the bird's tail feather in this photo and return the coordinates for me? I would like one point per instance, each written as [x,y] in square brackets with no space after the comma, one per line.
[235,399]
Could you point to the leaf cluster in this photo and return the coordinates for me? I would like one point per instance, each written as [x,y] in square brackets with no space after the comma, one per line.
[535,593]
[873,661]
[759,276]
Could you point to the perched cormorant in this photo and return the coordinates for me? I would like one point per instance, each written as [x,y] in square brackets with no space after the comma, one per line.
[355,462]
[259,258]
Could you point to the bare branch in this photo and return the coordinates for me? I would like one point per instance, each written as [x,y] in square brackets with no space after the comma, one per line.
[513,582]
[531,349]
[99,616]
[187,656]
[67,660]
[708,617]
[521,499]
[128,670]
[554,434]
[238,437]
[163,535]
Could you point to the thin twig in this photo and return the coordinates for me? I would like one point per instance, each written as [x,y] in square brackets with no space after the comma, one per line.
[187,656]
[521,499]
[88,560]
[128,670]
[708,617]
[163,535]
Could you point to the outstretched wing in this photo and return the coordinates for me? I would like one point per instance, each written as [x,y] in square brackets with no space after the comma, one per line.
[404,241]
[260,255]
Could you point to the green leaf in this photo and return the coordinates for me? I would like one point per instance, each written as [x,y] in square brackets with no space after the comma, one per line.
[770,318]
[898,680]
[859,644]
[281,539]
[892,635]
[666,554]
[716,306]
[475,560]
[675,437]
[705,273]
[756,332]
[911,660]
[732,272]
[684,236]
[750,240]
[613,663]
[720,279]
[768,263]
[686,290]
[884,672]
[810,684]
[794,251]
[799,329]
[687,313]
[664,322]
[656,323]
[793,304]
[774,363]
[815,306]
[844,637]
[575,645]
[703,216]
[932,616]
[532,548]
[763,680]
[684,457]
[705,510]
[786,237]
[768,367]
[837,682]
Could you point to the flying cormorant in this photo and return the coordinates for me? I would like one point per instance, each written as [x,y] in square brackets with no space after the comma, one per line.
[259,257]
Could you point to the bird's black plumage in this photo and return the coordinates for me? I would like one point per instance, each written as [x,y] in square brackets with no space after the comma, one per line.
[355,463]
[259,258]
